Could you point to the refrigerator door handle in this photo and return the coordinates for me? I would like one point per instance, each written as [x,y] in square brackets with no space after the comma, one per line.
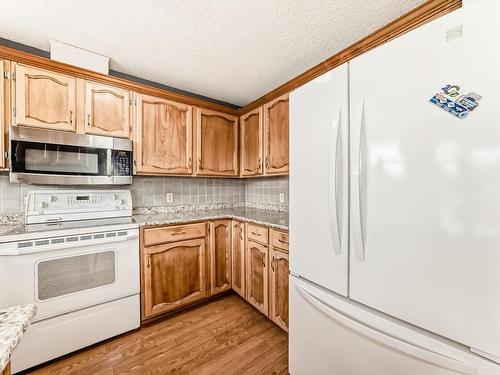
[359,202]
[333,183]
[386,339]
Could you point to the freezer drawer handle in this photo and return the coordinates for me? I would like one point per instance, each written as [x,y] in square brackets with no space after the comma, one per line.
[396,344]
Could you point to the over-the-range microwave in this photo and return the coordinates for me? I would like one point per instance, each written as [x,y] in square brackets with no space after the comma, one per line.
[61,158]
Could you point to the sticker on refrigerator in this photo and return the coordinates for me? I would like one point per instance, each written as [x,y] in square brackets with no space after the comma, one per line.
[451,100]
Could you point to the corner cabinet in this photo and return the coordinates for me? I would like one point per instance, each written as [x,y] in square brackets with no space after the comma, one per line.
[107,110]
[163,137]
[276,118]
[43,99]
[251,143]
[173,273]
[238,258]
[216,143]
[220,256]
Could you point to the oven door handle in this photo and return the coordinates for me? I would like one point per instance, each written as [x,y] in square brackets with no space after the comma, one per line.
[13,251]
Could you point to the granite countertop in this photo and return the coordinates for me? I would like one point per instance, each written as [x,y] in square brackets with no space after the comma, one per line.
[271,218]
[13,323]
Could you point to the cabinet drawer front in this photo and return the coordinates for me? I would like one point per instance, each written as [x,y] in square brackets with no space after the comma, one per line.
[173,233]
[258,234]
[279,239]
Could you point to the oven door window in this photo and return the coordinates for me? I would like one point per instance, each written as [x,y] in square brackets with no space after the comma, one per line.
[43,158]
[62,276]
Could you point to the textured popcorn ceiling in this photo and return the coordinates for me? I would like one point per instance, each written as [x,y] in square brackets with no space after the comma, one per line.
[231,50]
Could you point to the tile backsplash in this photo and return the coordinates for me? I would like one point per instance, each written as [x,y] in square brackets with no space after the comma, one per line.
[152,191]
[267,190]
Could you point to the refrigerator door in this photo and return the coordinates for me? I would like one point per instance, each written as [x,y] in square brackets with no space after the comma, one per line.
[319,180]
[330,334]
[425,184]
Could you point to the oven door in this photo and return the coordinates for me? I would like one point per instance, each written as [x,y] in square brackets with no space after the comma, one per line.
[72,278]
[61,158]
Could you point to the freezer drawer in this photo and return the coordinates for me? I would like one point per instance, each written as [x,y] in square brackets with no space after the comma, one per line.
[331,335]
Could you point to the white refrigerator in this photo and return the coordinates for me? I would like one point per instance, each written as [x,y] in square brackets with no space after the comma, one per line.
[395,206]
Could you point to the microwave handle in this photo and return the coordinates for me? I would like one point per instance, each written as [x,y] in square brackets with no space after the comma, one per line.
[109,165]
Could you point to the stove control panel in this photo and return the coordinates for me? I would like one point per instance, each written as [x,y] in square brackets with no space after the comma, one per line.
[63,205]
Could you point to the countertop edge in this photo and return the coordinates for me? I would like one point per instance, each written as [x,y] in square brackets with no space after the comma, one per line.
[14,321]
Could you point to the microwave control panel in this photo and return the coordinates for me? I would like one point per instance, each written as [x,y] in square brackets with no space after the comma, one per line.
[122,163]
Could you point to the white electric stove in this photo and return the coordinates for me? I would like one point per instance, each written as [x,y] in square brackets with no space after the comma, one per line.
[77,259]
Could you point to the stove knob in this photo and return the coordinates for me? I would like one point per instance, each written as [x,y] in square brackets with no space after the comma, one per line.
[122,201]
[115,196]
[52,198]
[43,204]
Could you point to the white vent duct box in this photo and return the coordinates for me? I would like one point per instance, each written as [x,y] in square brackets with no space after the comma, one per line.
[82,58]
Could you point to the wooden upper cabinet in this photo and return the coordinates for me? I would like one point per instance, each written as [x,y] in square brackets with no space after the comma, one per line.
[257,276]
[44,99]
[278,294]
[238,258]
[216,143]
[3,112]
[220,256]
[174,275]
[251,147]
[163,136]
[107,110]
[276,136]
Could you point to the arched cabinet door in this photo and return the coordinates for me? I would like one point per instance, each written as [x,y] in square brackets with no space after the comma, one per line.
[216,143]
[276,136]
[163,137]
[238,258]
[251,147]
[174,275]
[43,99]
[278,291]
[257,276]
[220,256]
[107,110]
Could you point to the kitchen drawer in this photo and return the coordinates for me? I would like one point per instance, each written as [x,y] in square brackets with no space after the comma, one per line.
[175,233]
[258,234]
[279,239]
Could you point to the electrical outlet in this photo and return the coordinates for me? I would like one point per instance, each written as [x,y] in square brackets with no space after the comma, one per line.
[282,197]
[170,197]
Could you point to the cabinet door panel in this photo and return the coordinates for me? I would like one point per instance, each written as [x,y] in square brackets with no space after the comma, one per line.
[257,277]
[220,256]
[276,135]
[278,301]
[174,275]
[217,143]
[163,136]
[238,258]
[3,112]
[251,143]
[44,99]
[107,110]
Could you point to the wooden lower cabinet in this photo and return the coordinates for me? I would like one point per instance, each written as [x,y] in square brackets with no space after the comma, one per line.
[257,276]
[220,256]
[174,275]
[278,288]
[238,258]
[186,263]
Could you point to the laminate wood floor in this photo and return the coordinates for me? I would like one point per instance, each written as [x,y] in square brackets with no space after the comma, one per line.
[224,336]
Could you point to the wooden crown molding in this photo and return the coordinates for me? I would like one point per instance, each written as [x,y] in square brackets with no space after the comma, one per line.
[22,57]
[424,13]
